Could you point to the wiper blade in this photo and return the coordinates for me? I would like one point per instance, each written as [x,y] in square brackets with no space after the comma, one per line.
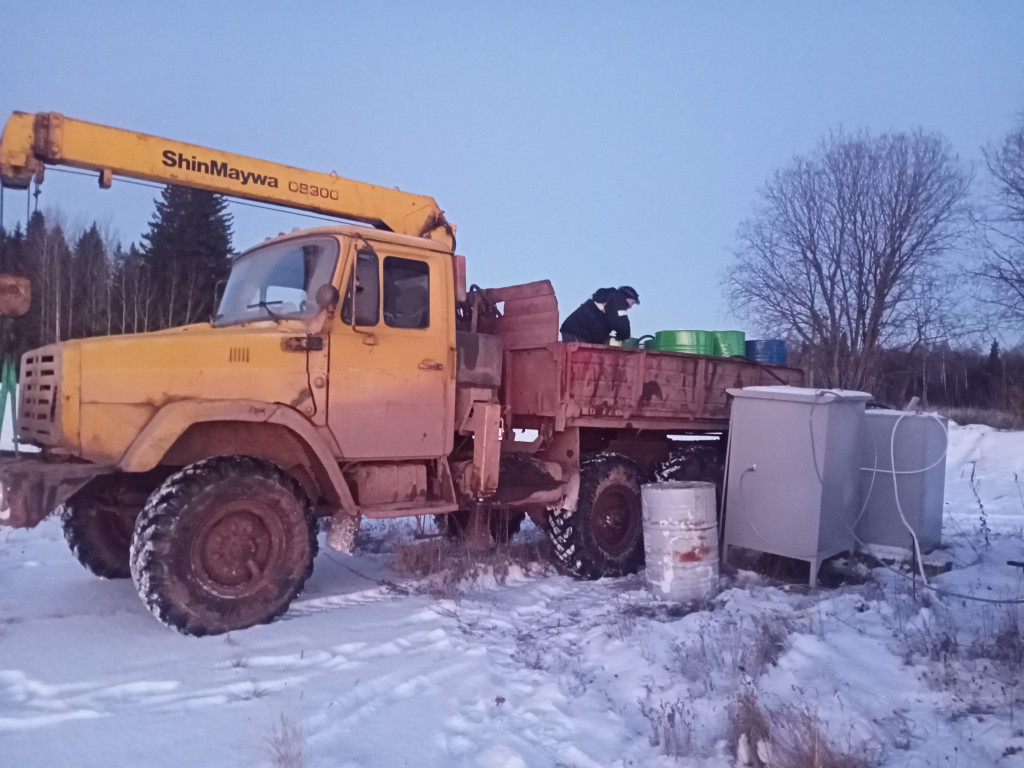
[266,305]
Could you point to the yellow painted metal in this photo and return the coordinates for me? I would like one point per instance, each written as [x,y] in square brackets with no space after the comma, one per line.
[30,142]
[18,162]
[392,390]
[486,449]
[69,405]
[112,386]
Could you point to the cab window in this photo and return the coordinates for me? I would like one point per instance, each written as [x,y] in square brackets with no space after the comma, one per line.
[406,293]
[365,290]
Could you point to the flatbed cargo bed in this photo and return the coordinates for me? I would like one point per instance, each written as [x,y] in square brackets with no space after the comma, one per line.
[547,383]
[593,385]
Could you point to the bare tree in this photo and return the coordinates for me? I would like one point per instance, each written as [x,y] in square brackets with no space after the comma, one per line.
[49,268]
[1001,269]
[847,248]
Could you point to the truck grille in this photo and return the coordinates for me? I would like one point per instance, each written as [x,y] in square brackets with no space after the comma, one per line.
[37,397]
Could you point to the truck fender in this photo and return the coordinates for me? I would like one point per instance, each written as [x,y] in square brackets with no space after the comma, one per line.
[171,421]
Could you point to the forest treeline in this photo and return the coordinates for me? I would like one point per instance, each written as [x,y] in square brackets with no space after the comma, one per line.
[85,285]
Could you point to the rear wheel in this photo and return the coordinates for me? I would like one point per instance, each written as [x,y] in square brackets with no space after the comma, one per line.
[603,536]
[702,460]
[224,544]
[99,521]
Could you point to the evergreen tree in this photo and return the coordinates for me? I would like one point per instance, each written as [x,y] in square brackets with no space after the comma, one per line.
[12,251]
[88,285]
[185,253]
[13,261]
[994,362]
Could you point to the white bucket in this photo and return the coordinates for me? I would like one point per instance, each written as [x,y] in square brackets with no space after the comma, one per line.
[680,540]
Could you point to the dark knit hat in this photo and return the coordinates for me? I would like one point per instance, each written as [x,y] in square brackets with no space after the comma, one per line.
[630,293]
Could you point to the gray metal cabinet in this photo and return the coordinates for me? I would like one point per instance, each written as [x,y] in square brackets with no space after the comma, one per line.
[793,481]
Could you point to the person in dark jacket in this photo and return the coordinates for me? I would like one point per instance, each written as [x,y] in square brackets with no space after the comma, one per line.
[604,312]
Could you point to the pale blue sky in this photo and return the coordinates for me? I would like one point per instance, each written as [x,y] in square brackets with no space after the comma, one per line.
[593,143]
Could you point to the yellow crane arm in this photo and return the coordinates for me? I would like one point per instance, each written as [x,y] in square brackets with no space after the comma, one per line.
[30,142]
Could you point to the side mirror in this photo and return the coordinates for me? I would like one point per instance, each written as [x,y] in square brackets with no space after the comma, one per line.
[218,293]
[327,296]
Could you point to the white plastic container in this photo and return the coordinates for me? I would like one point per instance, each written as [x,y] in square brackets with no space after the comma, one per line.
[680,540]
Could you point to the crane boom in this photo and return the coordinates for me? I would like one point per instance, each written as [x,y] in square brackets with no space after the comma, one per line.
[32,141]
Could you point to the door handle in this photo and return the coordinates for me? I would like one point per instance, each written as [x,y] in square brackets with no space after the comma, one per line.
[430,365]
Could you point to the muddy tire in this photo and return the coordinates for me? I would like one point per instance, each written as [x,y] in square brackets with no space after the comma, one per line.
[505,523]
[224,544]
[702,460]
[603,536]
[99,521]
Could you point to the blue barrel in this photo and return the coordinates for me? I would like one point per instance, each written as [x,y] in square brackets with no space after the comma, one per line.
[771,351]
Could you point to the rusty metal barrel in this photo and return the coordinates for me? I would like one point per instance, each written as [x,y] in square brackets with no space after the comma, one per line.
[680,540]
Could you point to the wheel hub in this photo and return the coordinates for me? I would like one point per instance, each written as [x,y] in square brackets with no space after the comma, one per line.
[238,549]
[615,520]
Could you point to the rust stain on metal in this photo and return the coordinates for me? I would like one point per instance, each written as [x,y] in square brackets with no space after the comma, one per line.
[309,343]
[302,397]
[15,295]
[651,391]
[695,555]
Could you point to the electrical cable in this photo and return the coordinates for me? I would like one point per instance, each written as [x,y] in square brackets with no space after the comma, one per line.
[917,550]
[895,473]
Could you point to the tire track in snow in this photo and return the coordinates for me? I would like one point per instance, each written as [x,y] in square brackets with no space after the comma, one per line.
[539,679]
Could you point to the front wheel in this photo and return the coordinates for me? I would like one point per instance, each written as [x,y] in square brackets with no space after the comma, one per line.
[99,520]
[224,544]
[603,536]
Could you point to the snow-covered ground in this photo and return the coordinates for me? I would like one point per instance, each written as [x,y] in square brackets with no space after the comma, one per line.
[518,666]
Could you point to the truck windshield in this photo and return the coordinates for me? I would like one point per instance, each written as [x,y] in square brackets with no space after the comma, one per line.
[277,282]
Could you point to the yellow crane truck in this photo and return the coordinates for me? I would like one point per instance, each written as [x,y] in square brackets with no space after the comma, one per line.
[348,373]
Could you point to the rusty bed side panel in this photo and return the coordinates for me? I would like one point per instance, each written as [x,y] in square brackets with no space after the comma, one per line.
[531,381]
[593,385]
[530,315]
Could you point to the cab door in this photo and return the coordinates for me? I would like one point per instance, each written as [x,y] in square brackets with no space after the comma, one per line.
[391,368]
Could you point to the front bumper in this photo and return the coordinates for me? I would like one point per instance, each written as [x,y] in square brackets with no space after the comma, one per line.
[31,486]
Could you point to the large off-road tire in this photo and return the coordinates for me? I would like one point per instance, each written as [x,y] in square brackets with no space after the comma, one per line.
[504,524]
[603,536]
[224,544]
[702,460]
[99,521]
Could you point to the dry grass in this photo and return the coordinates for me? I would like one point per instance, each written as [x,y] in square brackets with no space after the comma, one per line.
[749,727]
[988,416]
[671,726]
[287,745]
[790,737]
[446,567]
[766,644]
[1000,640]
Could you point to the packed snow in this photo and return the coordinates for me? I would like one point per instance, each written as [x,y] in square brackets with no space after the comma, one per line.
[499,662]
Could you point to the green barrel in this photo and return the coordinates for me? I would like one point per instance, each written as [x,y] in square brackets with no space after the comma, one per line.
[729,343]
[694,342]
